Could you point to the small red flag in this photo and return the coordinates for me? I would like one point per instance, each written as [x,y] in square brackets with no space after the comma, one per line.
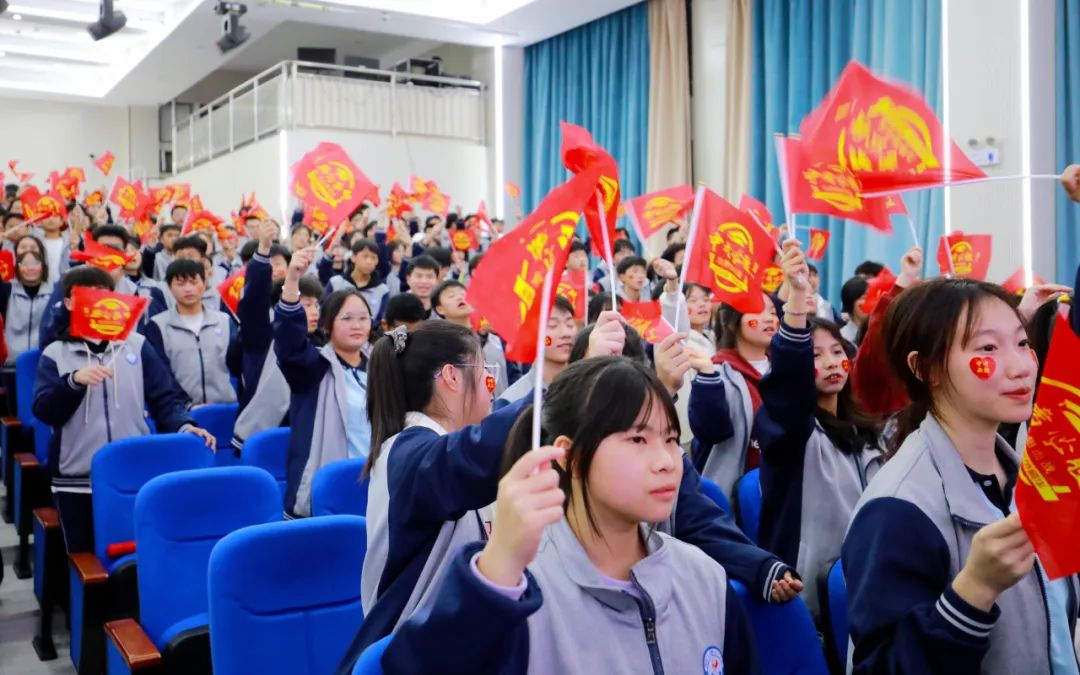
[1046,493]
[1016,283]
[760,213]
[7,265]
[201,220]
[397,203]
[232,288]
[103,315]
[580,152]
[894,205]
[67,184]
[572,287]
[970,255]
[464,240]
[326,177]
[483,217]
[648,319]
[181,194]
[876,287]
[316,218]
[95,198]
[99,255]
[37,206]
[105,162]
[513,189]
[771,280]
[819,241]
[729,254]
[419,188]
[435,200]
[649,213]
[130,197]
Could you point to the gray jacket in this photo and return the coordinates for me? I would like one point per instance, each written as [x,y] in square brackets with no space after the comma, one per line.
[727,458]
[23,320]
[197,361]
[267,407]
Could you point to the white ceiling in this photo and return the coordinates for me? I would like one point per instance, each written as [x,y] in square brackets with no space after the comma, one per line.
[169,46]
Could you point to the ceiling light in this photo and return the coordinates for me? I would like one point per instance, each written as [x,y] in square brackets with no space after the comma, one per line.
[108,22]
[232,33]
[16,17]
[2,54]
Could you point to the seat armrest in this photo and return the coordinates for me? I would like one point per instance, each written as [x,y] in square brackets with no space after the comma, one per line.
[47,517]
[27,460]
[134,645]
[89,568]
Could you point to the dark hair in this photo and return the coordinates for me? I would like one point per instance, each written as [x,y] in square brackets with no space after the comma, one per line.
[110,231]
[671,251]
[474,261]
[87,276]
[37,256]
[395,244]
[436,300]
[309,288]
[247,251]
[601,302]
[630,261]
[431,221]
[622,245]
[578,245]
[422,262]
[1041,330]
[184,269]
[300,226]
[171,226]
[364,245]
[332,307]
[440,255]
[690,286]
[633,347]
[191,241]
[563,305]
[671,233]
[726,325]
[404,382]
[10,215]
[924,319]
[279,250]
[853,289]
[37,241]
[812,268]
[851,428]
[578,405]
[367,229]
[404,307]
[868,268]
[359,210]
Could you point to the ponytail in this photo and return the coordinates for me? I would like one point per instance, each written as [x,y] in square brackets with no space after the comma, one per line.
[386,382]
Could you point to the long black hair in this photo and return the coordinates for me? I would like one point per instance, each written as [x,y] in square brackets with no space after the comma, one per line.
[578,405]
[850,429]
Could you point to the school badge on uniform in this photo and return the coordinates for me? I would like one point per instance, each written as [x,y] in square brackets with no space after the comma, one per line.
[712,661]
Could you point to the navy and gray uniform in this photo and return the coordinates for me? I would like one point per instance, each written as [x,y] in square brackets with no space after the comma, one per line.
[809,486]
[376,292]
[721,416]
[911,536]
[197,359]
[678,616]
[23,311]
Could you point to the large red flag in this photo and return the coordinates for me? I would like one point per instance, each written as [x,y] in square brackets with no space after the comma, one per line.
[729,253]
[649,213]
[103,315]
[232,288]
[647,319]
[970,254]
[819,241]
[876,288]
[572,287]
[579,153]
[506,283]
[1048,491]
[327,178]
[883,132]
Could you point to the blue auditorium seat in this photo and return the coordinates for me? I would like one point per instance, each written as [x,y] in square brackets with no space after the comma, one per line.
[179,517]
[219,419]
[274,610]
[748,496]
[369,661]
[834,611]
[713,492]
[787,641]
[15,431]
[268,450]
[340,488]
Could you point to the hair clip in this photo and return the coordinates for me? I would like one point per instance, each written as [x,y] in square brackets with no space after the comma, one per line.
[400,336]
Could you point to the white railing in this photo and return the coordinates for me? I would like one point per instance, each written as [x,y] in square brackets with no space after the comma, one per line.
[298,94]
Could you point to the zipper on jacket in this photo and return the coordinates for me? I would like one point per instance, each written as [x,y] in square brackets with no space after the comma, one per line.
[30,333]
[108,422]
[648,619]
[202,366]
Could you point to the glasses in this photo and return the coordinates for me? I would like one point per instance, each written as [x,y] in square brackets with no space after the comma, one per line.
[353,318]
[491,369]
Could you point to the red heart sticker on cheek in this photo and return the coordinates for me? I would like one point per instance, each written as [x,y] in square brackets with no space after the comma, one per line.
[547,340]
[489,382]
[845,365]
[753,323]
[983,367]
[815,373]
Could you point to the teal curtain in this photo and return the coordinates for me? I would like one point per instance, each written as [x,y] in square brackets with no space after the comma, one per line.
[597,76]
[799,49]
[1067,22]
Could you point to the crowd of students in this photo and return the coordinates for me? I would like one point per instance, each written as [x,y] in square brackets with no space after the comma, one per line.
[876,443]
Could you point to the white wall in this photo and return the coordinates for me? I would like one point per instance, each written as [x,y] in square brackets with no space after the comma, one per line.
[222,182]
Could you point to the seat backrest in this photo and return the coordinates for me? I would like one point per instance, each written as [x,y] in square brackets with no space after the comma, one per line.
[25,374]
[787,642]
[338,489]
[713,492]
[178,519]
[42,437]
[269,451]
[369,661]
[834,608]
[121,468]
[219,419]
[285,597]
[748,491]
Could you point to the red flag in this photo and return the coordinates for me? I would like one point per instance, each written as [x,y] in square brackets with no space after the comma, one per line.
[483,217]
[970,255]
[103,315]
[648,319]
[7,265]
[142,228]
[876,287]
[232,288]
[464,240]
[513,189]
[894,205]
[729,254]
[771,280]
[831,190]
[506,283]
[23,178]
[760,213]
[95,198]
[819,241]
[130,197]
[105,162]
[435,200]
[201,220]
[419,188]
[37,206]
[67,184]
[397,203]
[99,255]
[649,213]
[572,287]
[883,132]
[327,178]
[1046,493]
[1016,283]
[580,152]
[316,218]
[181,194]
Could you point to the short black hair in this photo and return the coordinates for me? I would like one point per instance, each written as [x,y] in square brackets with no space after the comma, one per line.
[578,245]
[87,276]
[364,245]
[671,251]
[430,222]
[599,302]
[671,233]
[422,262]
[853,289]
[279,250]
[359,210]
[630,261]
[812,267]
[623,245]
[563,305]
[184,269]
[309,288]
[633,347]
[440,255]
[170,226]
[300,226]
[191,241]
[405,308]
[116,231]
[247,251]
[868,268]
[10,215]
[395,245]
[436,300]
[474,261]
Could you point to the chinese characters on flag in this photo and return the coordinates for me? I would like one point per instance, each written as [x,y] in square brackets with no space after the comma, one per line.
[326,178]
[232,289]
[819,241]
[647,319]
[572,287]
[1048,490]
[969,255]
[649,213]
[98,314]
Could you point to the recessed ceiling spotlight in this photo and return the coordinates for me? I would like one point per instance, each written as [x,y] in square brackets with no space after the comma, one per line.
[16,17]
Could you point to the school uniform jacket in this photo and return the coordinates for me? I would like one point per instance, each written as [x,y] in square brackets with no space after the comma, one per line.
[86,418]
[376,292]
[23,315]
[685,619]
[721,416]
[809,488]
[197,359]
[910,537]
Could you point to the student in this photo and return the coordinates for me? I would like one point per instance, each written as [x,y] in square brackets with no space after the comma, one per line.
[561,329]
[228,261]
[403,310]
[143,286]
[421,278]
[941,576]
[93,392]
[824,307]
[396,267]
[364,277]
[459,266]
[700,339]
[852,294]
[118,238]
[573,561]
[23,301]
[578,261]
[329,401]
[621,248]
[726,449]
[449,303]
[818,451]
[156,259]
[444,258]
[193,339]
[299,237]
[57,248]
[279,257]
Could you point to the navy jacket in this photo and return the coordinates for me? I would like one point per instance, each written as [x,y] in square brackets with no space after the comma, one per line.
[256,330]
